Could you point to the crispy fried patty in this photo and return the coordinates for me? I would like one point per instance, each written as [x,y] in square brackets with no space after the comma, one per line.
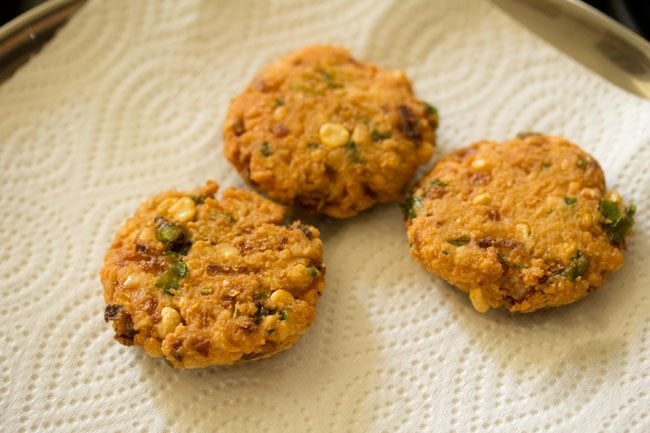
[319,129]
[526,224]
[203,281]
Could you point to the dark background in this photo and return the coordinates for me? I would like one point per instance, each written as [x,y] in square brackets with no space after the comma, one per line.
[635,14]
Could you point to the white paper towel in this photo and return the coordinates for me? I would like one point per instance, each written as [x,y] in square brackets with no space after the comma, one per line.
[129,100]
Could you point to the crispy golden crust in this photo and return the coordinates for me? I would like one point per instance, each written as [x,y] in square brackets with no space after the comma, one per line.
[517,224]
[274,132]
[202,281]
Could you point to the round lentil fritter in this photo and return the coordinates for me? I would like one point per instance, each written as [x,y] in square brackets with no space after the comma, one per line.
[321,130]
[202,281]
[524,225]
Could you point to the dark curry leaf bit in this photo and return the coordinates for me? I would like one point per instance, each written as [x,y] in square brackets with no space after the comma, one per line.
[526,134]
[459,242]
[283,315]
[170,281]
[124,331]
[438,183]
[230,217]
[307,89]
[259,296]
[503,259]
[328,77]
[306,230]
[353,153]
[265,150]
[238,127]
[112,312]
[577,267]
[313,272]
[261,313]
[377,136]
[411,206]
[197,199]
[570,201]
[430,109]
[179,249]
[616,226]
[122,322]
[173,236]
[409,124]
[178,356]
[582,163]
[432,112]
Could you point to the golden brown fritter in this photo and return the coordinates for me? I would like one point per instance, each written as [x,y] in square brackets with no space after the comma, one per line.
[526,224]
[322,130]
[202,281]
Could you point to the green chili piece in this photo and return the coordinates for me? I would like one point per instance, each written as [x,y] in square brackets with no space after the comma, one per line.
[411,206]
[169,282]
[504,259]
[459,242]
[376,135]
[228,216]
[266,151]
[261,313]
[328,77]
[430,109]
[609,211]
[183,247]
[353,152]
[173,236]
[616,226]
[307,89]
[166,231]
[527,134]
[197,199]
[577,267]
[582,163]
[570,201]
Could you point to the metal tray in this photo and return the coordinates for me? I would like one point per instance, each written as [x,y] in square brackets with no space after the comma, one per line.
[24,36]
